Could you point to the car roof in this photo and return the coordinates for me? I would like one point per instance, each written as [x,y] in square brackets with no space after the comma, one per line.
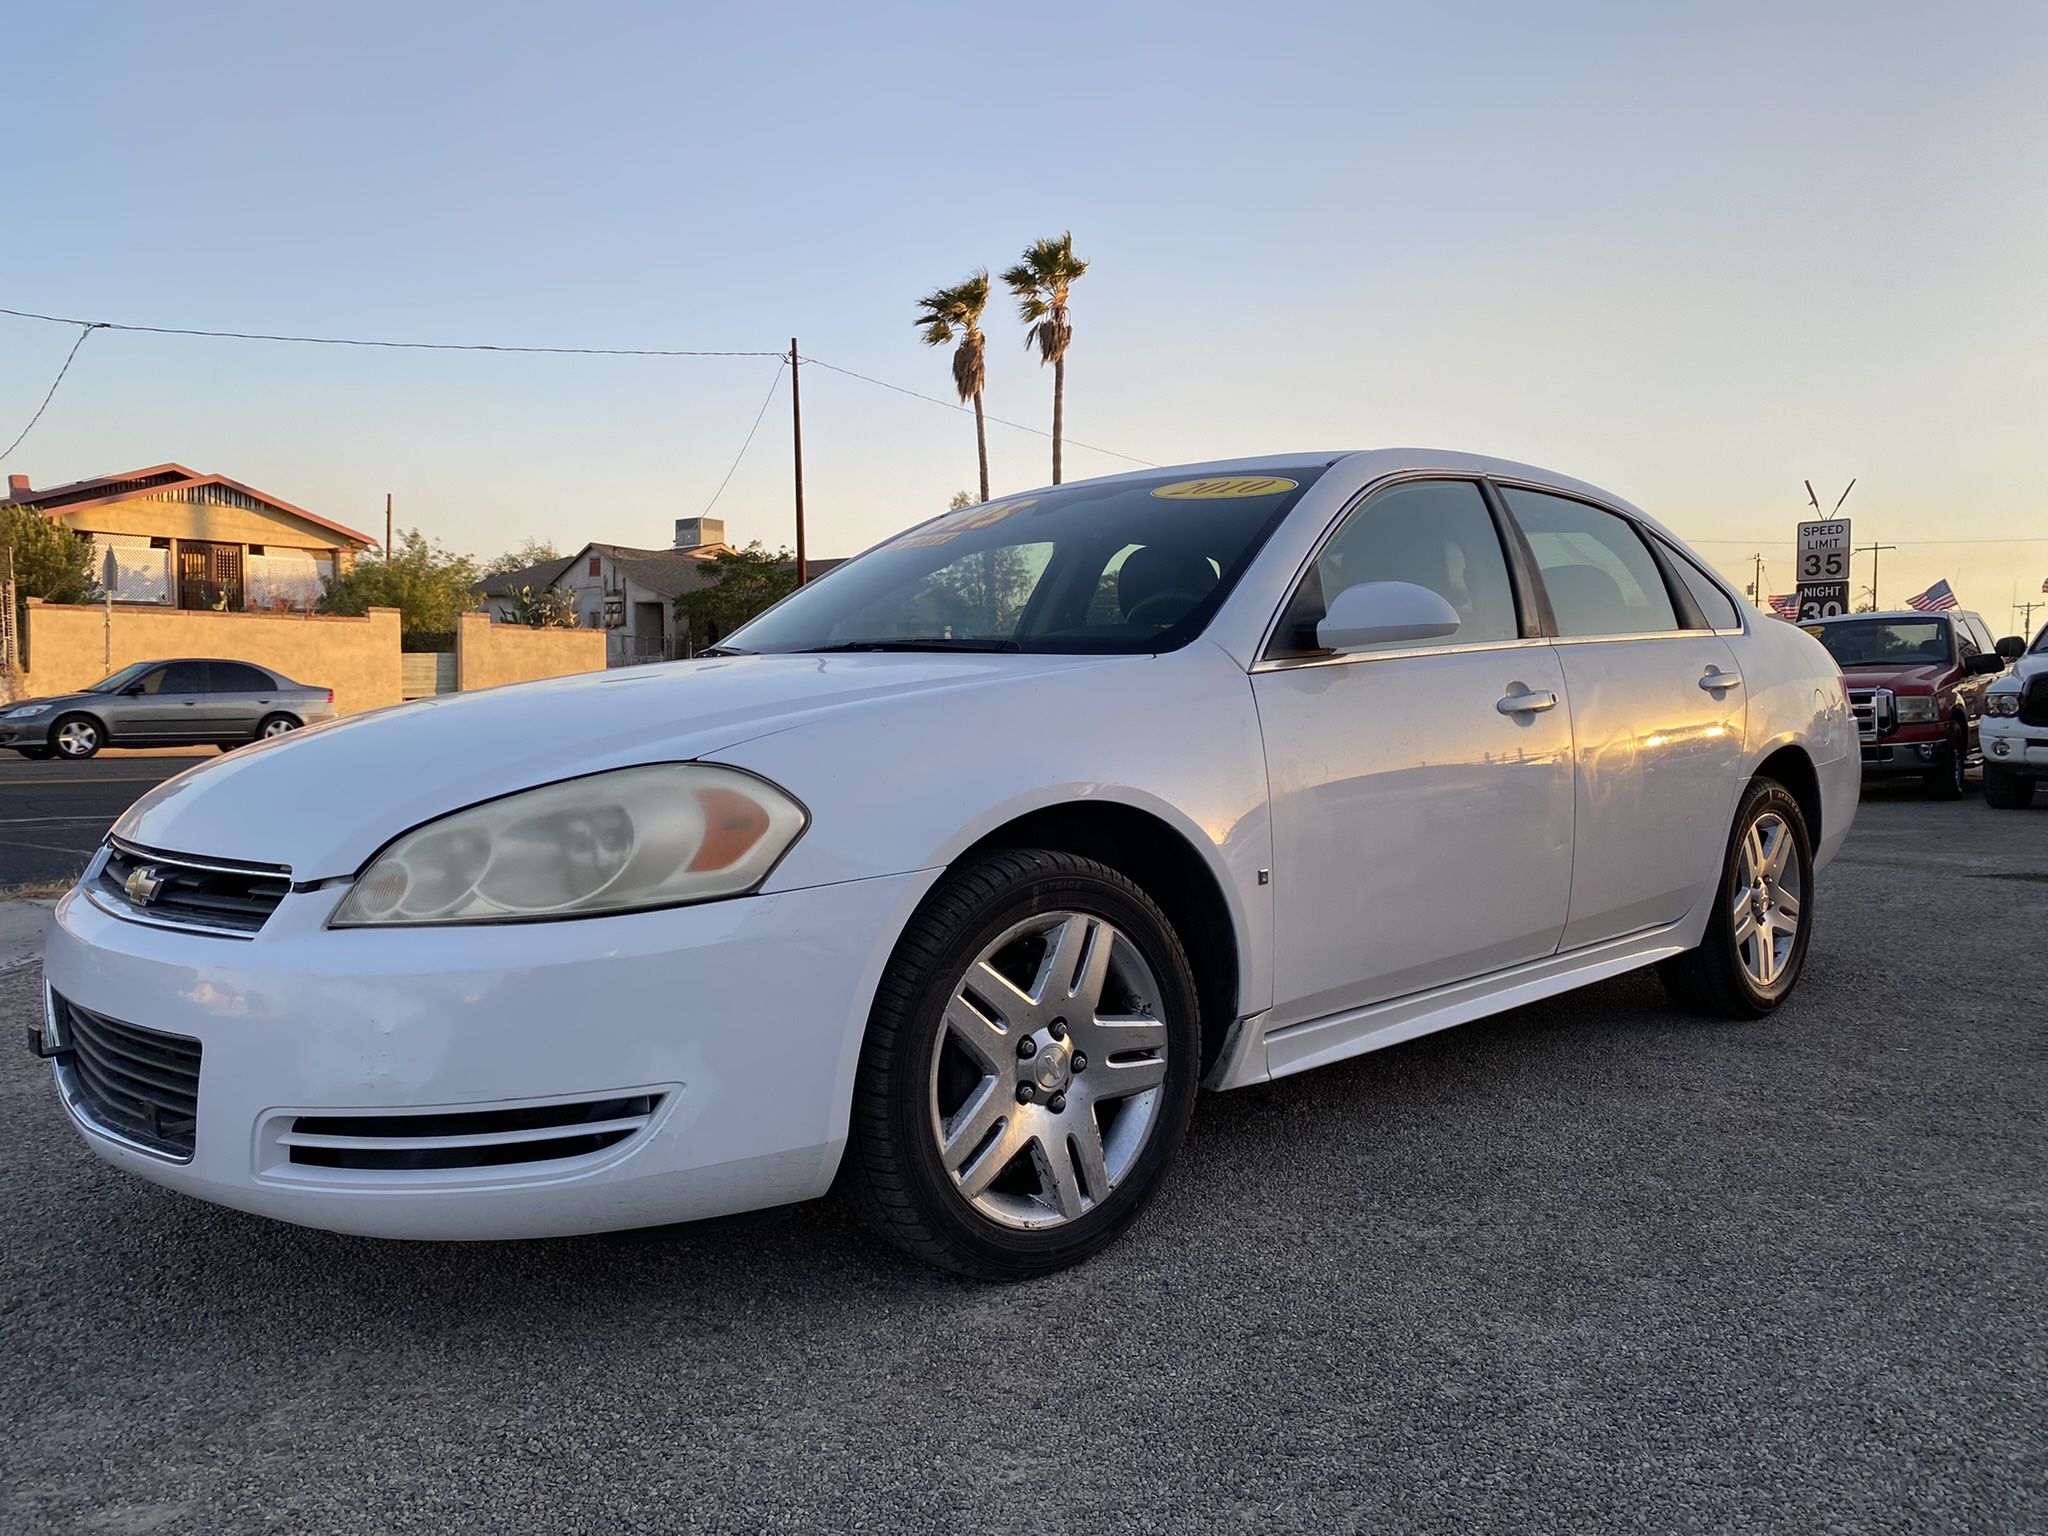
[1900,613]
[1375,463]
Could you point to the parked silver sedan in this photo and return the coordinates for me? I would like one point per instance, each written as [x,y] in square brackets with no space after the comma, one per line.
[182,703]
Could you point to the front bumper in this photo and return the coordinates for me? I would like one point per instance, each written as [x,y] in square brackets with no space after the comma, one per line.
[740,1021]
[2013,747]
[33,732]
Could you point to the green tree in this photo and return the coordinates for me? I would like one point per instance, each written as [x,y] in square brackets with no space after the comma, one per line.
[744,582]
[956,311]
[426,583]
[1042,282]
[50,561]
[532,552]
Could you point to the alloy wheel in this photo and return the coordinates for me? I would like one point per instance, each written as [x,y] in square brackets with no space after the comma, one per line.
[78,738]
[1046,1084]
[1766,899]
[275,728]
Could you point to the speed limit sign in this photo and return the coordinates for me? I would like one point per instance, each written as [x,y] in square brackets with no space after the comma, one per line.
[1824,569]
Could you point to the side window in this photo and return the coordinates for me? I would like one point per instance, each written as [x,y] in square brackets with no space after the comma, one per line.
[151,683]
[183,677]
[1435,533]
[234,677]
[1714,603]
[1596,568]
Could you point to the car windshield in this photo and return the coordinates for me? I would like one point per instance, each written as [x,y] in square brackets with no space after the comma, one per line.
[120,679]
[2040,645]
[1883,642]
[1120,566]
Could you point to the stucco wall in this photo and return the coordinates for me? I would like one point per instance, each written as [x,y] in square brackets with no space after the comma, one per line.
[193,520]
[488,655]
[357,658]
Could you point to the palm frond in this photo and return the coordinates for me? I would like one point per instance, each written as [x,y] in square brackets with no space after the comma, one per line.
[970,365]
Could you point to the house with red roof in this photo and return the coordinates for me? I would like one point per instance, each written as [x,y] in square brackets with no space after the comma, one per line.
[182,539]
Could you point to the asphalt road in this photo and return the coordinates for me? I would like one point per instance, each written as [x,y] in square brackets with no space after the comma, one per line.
[53,814]
[1586,1266]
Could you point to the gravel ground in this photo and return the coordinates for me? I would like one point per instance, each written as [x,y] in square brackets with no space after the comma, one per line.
[1587,1266]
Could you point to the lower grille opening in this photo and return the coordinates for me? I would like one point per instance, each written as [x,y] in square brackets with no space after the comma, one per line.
[487,1138]
[140,1084]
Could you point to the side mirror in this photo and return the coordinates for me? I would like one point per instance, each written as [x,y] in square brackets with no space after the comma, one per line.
[132,691]
[1375,612]
[1983,663]
[2012,647]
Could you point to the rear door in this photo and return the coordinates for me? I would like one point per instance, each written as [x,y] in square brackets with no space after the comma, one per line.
[1657,716]
[1421,792]
[237,696]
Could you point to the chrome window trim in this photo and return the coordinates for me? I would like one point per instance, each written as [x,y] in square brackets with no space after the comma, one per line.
[1345,658]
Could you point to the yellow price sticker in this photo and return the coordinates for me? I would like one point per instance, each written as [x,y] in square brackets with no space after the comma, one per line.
[1225,487]
[966,520]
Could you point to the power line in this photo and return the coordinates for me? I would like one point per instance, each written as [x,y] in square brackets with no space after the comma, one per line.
[409,346]
[85,329]
[758,415]
[950,405]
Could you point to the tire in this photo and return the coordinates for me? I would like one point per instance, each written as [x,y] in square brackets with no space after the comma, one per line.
[1720,978]
[1944,781]
[37,754]
[276,725]
[77,737]
[934,1065]
[2005,790]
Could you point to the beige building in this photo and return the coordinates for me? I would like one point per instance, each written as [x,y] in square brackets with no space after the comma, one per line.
[181,539]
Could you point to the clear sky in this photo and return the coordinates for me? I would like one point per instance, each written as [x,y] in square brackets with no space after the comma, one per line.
[1692,254]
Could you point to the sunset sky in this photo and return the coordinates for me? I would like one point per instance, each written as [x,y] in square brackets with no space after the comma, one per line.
[1694,256]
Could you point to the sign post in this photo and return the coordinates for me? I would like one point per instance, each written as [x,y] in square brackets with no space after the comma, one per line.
[1824,569]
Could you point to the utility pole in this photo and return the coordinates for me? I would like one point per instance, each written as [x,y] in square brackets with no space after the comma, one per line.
[387,525]
[2026,611]
[796,424]
[1872,551]
[1756,586]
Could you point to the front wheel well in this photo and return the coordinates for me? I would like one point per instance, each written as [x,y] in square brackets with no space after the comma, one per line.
[1167,867]
[1791,767]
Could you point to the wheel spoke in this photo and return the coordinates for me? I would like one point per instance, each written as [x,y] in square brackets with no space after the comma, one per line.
[971,1125]
[1766,950]
[1775,852]
[1121,1079]
[987,1039]
[1745,919]
[1787,905]
[1108,1035]
[976,1177]
[1753,853]
[1065,947]
[1002,996]
[1087,1139]
[1057,1173]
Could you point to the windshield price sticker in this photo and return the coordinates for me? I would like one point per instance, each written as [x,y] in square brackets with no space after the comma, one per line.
[1224,487]
[966,520]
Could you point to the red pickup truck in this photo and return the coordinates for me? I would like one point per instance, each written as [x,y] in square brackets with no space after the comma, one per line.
[1916,682]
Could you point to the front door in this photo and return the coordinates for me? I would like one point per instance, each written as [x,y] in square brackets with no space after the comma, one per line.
[163,705]
[1657,718]
[210,576]
[1422,821]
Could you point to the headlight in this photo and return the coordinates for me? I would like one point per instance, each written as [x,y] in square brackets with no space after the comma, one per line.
[2001,703]
[26,711]
[1910,707]
[612,842]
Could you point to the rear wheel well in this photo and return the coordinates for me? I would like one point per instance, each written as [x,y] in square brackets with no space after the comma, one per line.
[1791,767]
[1166,866]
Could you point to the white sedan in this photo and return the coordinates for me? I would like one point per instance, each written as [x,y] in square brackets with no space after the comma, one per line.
[955,874]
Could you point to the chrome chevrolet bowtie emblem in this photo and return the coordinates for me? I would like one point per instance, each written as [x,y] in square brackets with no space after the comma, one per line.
[142,885]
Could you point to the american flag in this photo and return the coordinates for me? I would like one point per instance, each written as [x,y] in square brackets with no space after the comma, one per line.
[1936,598]
[2044,586]
[1786,605]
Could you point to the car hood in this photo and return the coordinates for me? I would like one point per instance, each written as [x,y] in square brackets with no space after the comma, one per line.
[322,800]
[53,701]
[1928,677]
[2033,664]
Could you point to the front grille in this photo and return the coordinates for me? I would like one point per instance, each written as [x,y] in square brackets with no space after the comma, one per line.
[140,1084]
[2034,701]
[176,890]
[486,1138]
[1874,711]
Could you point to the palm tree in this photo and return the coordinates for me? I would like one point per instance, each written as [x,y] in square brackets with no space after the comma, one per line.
[1041,282]
[944,311]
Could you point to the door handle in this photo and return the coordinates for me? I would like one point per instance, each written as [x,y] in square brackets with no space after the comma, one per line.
[1718,682]
[1527,703]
